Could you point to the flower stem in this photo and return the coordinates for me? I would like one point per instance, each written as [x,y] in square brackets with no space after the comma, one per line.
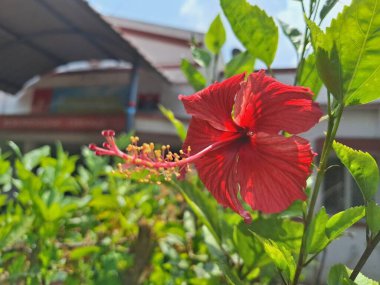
[332,128]
[366,254]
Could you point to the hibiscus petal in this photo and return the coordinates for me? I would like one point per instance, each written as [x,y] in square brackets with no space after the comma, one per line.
[265,105]
[214,103]
[201,135]
[217,170]
[272,171]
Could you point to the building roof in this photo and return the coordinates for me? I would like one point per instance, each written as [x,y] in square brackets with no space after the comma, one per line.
[163,46]
[37,36]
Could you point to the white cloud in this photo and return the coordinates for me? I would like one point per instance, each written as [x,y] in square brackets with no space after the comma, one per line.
[199,13]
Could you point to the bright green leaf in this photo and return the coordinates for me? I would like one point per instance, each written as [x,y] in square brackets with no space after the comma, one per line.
[348,53]
[362,167]
[293,34]
[309,76]
[201,56]
[317,239]
[243,62]
[83,251]
[33,158]
[329,4]
[253,27]
[341,221]
[373,216]
[215,36]
[179,126]
[280,256]
[195,78]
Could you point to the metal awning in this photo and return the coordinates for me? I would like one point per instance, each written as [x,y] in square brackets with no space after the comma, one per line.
[38,35]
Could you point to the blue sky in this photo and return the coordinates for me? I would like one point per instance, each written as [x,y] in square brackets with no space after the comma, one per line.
[198,14]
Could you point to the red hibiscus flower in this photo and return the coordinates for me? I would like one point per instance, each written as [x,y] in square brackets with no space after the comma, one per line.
[245,118]
[236,143]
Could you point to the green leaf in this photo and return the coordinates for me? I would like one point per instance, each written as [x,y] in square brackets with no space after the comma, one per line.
[201,56]
[317,239]
[33,158]
[373,216]
[341,221]
[350,49]
[219,256]
[309,76]
[195,78]
[83,251]
[362,167]
[329,4]
[253,27]
[179,126]
[293,34]
[339,275]
[280,256]
[243,62]
[215,36]
[283,231]
[327,61]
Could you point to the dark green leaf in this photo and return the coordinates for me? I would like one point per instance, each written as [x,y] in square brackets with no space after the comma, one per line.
[282,231]
[341,221]
[309,76]
[219,256]
[215,36]
[243,62]
[339,275]
[253,27]
[179,126]
[293,34]
[362,166]
[201,56]
[329,4]
[317,239]
[373,216]
[195,78]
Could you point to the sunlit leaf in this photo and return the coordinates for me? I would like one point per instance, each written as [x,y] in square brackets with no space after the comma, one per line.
[83,251]
[348,53]
[253,27]
[362,166]
[215,36]
[317,239]
[280,256]
[179,126]
[193,76]
[341,221]
[243,62]
[373,216]
[33,157]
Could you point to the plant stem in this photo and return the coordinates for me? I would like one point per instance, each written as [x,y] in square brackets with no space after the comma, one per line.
[363,259]
[332,128]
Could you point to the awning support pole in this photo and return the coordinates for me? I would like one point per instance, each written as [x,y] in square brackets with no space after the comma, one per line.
[130,108]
